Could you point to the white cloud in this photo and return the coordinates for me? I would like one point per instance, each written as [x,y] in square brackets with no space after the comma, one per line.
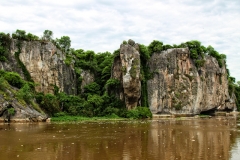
[101,25]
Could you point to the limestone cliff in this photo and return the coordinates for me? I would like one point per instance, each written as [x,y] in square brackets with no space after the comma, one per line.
[126,68]
[178,86]
[45,63]
[14,110]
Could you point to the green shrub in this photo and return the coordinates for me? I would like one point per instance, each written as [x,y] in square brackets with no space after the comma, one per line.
[112,83]
[14,79]
[139,113]
[124,42]
[25,93]
[92,88]
[199,63]
[3,84]
[155,47]
[49,103]
[11,111]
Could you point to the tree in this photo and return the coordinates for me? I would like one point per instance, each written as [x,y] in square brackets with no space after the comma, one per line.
[31,37]
[155,47]
[64,42]
[47,35]
[238,82]
[19,34]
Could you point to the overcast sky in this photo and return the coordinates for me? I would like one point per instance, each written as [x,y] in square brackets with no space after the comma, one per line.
[101,25]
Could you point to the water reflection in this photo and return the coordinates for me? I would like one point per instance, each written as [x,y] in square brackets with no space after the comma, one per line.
[162,139]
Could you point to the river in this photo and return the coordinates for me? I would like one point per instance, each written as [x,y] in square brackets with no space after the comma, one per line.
[164,139]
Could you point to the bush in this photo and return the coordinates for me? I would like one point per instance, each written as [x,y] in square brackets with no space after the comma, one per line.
[48,102]
[124,42]
[112,83]
[155,47]
[92,88]
[3,84]
[139,113]
[25,93]
[11,111]
[14,79]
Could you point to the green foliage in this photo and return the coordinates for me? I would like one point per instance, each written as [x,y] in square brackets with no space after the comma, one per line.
[220,57]
[49,103]
[68,60]
[31,37]
[5,42]
[92,88]
[26,93]
[144,53]
[197,52]
[95,100]
[47,35]
[139,113]
[24,69]
[167,46]
[64,42]
[14,79]
[112,84]
[155,47]
[21,35]
[124,42]
[178,106]
[237,94]
[3,84]
[133,71]
[11,111]
[199,63]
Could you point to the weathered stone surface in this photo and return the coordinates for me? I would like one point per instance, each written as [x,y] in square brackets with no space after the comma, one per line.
[131,42]
[22,112]
[87,78]
[178,87]
[126,68]
[45,63]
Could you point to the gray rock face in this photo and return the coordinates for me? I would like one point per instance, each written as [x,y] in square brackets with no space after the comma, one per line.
[21,112]
[178,86]
[126,68]
[45,63]
[87,78]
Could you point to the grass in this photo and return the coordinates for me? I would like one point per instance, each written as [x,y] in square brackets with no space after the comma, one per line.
[68,118]
[203,116]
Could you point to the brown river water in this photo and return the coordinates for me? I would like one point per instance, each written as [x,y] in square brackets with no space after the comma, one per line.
[169,139]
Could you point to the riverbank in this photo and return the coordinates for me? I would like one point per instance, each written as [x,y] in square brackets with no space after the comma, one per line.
[68,118]
[79,118]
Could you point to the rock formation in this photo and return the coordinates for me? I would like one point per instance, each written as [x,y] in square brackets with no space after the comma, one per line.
[126,68]
[178,86]
[87,78]
[45,63]
[13,110]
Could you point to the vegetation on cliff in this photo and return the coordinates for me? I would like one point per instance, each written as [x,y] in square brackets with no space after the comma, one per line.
[95,99]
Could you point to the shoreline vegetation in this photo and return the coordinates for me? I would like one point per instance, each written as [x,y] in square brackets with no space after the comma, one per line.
[72,119]
[69,118]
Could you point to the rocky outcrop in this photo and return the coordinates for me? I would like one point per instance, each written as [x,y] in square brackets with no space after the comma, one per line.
[45,63]
[178,86]
[87,78]
[126,68]
[14,110]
